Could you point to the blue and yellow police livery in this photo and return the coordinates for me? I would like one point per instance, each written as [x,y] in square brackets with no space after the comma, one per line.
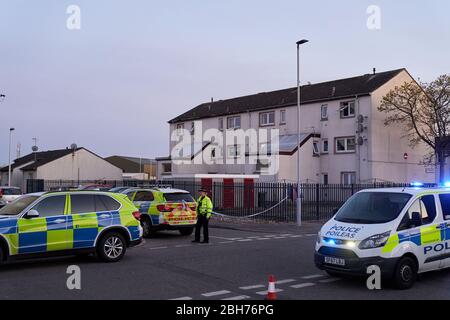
[69,222]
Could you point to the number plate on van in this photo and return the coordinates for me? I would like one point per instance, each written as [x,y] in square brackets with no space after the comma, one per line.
[335,261]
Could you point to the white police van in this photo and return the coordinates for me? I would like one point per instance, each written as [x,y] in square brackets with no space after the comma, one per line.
[404,231]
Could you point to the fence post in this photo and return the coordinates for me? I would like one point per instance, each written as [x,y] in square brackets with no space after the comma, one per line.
[317,201]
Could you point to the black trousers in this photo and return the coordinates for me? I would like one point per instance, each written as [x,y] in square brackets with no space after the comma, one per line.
[202,221]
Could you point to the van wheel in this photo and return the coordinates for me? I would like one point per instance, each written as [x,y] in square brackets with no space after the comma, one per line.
[405,273]
[112,247]
[186,231]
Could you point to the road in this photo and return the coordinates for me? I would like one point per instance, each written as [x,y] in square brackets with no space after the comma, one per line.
[235,265]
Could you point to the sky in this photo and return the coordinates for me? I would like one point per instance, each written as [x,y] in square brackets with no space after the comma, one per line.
[112,85]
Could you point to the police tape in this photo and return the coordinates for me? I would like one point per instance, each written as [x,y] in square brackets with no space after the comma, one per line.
[252,215]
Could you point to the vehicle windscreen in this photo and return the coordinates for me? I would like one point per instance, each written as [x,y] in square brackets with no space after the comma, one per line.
[16,207]
[11,192]
[372,207]
[178,197]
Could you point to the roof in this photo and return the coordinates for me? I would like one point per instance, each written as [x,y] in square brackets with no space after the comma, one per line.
[325,91]
[38,159]
[130,164]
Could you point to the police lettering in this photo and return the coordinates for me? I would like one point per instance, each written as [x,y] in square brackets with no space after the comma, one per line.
[344,232]
[437,248]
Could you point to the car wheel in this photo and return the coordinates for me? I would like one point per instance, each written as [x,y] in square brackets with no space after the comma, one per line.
[186,231]
[405,273]
[146,227]
[112,247]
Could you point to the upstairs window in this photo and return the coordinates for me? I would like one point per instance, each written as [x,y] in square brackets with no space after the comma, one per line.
[267,118]
[347,109]
[316,151]
[221,124]
[345,145]
[234,122]
[325,147]
[283,117]
[324,112]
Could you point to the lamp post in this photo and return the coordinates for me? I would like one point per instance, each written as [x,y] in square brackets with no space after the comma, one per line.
[9,156]
[299,200]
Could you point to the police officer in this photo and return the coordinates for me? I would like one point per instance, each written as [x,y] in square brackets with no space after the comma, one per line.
[204,211]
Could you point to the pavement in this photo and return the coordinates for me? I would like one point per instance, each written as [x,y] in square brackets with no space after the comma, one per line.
[234,266]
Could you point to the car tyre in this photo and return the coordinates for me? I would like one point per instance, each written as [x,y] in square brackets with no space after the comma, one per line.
[405,273]
[186,231]
[146,227]
[111,247]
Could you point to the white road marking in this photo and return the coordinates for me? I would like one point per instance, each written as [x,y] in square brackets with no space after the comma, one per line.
[286,234]
[313,276]
[256,286]
[245,240]
[263,293]
[329,280]
[264,239]
[226,242]
[223,238]
[285,281]
[158,248]
[215,293]
[297,236]
[303,285]
[279,238]
[237,298]
[254,237]
[311,234]
[270,235]
[183,246]
[182,298]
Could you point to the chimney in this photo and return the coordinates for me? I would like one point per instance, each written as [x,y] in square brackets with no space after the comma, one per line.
[374,70]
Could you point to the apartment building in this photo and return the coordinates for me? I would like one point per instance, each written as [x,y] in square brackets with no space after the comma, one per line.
[343,138]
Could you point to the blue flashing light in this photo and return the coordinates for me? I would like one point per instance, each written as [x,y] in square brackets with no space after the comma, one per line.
[447,184]
[417,184]
[331,241]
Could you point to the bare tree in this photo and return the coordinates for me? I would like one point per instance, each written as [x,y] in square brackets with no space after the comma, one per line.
[424,112]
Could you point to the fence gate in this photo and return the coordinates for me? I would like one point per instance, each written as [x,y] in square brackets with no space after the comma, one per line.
[228,193]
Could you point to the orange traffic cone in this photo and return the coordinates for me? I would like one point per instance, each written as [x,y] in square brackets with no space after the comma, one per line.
[271,293]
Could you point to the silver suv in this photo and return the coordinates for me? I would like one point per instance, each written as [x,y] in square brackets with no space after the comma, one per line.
[8,195]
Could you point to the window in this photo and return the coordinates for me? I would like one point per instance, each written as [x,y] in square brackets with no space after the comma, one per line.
[283,117]
[180,128]
[324,178]
[316,150]
[143,196]
[348,178]
[17,206]
[221,124]
[345,145]
[325,148]
[348,109]
[167,167]
[105,203]
[82,203]
[51,206]
[234,122]
[234,151]
[130,195]
[324,112]
[445,204]
[192,128]
[426,206]
[178,197]
[267,118]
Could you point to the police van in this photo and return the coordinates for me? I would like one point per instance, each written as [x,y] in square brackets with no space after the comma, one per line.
[403,231]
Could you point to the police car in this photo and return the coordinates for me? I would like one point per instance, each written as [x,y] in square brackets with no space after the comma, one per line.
[164,209]
[403,231]
[69,223]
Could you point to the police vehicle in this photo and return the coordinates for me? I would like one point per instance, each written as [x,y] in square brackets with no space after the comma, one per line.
[74,222]
[164,209]
[403,231]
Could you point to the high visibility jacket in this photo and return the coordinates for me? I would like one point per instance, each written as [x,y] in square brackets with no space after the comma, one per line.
[204,206]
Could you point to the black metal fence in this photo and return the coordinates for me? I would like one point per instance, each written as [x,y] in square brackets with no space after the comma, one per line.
[263,201]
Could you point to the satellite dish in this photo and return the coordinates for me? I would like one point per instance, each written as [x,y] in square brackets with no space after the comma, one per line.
[34,148]
[73,146]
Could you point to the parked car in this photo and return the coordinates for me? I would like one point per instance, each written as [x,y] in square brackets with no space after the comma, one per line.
[70,222]
[118,189]
[164,209]
[96,187]
[8,195]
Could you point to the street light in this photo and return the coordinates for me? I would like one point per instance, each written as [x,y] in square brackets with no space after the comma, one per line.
[299,200]
[9,156]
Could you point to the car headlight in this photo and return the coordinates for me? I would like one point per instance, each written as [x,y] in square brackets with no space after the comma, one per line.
[376,241]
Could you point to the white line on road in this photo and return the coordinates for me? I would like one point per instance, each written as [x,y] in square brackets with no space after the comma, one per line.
[263,293]
[245,240]
[237,298]
[285,281]
[286,234]
[264,239]
[215,293]
[183,246]
[329,280]
[270,235]
[313,276]
[311,234]
[158,248]
[297,236]
[302,285]
[279,238]
[226,242]
[182,298]
[223,238]
[254,237]
[256,286]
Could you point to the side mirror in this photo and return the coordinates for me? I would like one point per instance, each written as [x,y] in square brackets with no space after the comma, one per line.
[32,214]
[416,219]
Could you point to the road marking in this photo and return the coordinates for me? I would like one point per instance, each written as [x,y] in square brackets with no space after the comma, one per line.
[303,285]
[270,235]
[254,237]
[183,246]
[158,248]
[284,281]
[311,234]
[182,298]
[215,293]
[237,298]
[223,238]
[286,234]
[264,239]
[226,242]
[256,286]
[263,293]
[297,236]
[279,238]
[329,280]
[313,276]
[245,240]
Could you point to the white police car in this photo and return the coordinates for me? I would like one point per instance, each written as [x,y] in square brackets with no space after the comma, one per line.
[404,231]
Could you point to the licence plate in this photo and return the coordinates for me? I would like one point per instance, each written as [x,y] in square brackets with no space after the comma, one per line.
[335,261]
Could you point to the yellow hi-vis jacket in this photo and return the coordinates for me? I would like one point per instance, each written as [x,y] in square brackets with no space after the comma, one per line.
[204,206]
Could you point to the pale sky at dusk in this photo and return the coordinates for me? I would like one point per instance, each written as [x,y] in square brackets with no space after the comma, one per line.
[113,85]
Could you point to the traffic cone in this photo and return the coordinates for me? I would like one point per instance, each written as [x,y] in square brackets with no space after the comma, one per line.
[271,294]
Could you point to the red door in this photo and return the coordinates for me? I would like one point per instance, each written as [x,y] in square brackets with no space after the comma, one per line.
[228,193]
[249,193]
[207,185]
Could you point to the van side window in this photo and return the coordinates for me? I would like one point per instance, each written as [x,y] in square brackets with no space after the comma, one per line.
[426,206]
[445,205]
